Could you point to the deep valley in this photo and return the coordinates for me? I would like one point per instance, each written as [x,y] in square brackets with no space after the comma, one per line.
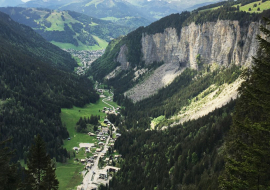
[137,95]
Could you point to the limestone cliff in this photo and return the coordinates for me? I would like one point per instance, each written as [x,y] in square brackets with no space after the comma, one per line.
[221,42]
[122,57]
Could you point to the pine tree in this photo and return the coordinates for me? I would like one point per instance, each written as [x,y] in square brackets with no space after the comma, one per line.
[8,173]
[41,172]
[247,157]
[50,180]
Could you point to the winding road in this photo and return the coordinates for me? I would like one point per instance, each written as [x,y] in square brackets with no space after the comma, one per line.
[108,99]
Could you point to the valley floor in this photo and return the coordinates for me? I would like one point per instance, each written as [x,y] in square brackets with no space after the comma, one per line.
[74,172]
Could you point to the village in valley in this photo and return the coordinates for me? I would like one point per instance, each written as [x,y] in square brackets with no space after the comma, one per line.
[100,160]
[86,58]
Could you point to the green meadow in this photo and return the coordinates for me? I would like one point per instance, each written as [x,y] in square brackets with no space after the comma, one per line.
[254,8]
[57,22]
[71,116]
[102,44]
[69,175]
[79,62]
[250,8]
[113,19]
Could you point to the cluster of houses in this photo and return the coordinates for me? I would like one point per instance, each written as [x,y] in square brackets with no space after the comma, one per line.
[102,136]
[89,162]
[109,111]
[86,58]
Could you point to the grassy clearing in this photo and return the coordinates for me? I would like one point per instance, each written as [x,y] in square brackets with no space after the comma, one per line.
[57,21]
[93,24]
[113,19]
[157,120]
[254,8]
[112,103]
[22,163]
[102,43]
[262,6]
[106,93]
[78,60]
[71,116]
[68,174]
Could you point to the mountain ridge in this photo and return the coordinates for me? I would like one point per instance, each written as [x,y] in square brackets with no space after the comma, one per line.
[184,40]
[120,12]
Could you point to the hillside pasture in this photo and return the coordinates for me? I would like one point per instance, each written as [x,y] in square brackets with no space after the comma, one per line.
[255,5]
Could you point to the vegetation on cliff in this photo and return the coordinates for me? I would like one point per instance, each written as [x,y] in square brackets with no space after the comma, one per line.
[169,100]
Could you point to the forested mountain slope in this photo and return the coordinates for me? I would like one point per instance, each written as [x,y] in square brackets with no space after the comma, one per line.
[32,44]
[188,156]
[33,89]
[68,29]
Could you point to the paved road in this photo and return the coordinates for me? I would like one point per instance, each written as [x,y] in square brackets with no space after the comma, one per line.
[87,181]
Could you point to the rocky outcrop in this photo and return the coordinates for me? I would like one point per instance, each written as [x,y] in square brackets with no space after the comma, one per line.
[161,77]
[122,57]
[222,42]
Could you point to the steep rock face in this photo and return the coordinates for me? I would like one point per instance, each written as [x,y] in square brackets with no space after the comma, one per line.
[122,57]
[222,42]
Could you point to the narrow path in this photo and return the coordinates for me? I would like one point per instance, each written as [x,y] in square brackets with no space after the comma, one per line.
[107,99]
